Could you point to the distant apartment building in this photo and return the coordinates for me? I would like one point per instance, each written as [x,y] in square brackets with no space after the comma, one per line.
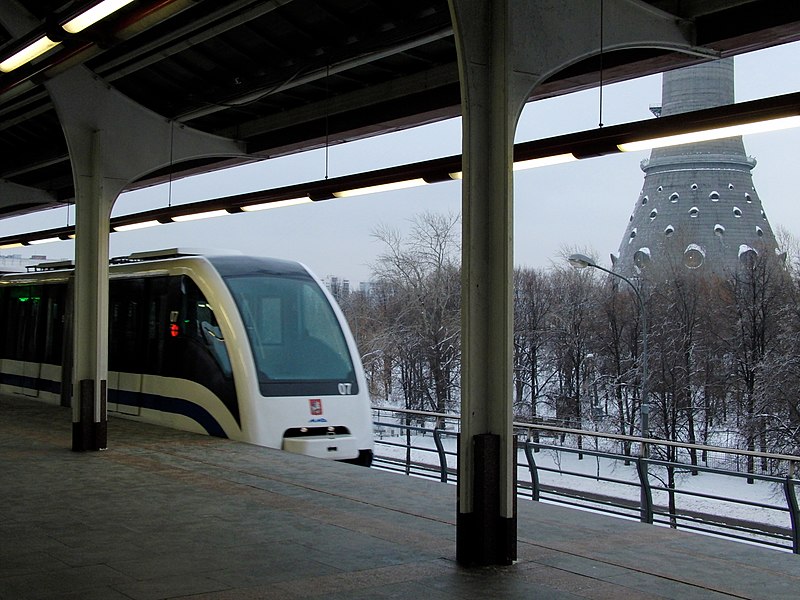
[15,263]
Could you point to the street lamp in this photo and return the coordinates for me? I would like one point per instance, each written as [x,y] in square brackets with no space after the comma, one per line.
[581,261]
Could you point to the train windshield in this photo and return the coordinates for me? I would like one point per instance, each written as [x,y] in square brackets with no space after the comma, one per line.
[298,345]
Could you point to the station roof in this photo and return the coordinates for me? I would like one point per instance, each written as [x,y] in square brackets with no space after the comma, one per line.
[285,76]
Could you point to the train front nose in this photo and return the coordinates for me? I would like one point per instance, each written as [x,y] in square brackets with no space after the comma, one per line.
[332,442]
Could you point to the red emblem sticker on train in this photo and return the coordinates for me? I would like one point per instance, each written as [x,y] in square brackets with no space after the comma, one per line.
[315,404]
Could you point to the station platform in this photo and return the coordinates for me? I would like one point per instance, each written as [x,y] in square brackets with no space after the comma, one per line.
[168,514]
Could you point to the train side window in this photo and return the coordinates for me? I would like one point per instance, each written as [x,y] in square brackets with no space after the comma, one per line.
[54,312]
[23,323]
[157,313]
[200,323]
[8,342]
[126,326]
[15,313]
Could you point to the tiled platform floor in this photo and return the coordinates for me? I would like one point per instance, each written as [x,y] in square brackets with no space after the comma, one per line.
[166,514]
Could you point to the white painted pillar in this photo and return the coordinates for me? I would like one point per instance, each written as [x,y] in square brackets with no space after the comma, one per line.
[95,194]
[486,521]
[505,47]
[112,141]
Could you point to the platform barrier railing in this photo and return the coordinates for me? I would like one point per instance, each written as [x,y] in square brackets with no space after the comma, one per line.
[701,495]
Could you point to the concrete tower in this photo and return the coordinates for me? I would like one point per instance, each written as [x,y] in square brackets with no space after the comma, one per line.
[698,209]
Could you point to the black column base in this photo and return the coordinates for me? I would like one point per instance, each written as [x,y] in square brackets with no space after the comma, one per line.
[483,537]
[481,546]
[86,433]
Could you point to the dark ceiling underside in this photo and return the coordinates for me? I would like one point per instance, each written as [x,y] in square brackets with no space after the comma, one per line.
[285,76]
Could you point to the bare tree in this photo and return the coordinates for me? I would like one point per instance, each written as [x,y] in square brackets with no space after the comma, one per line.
[618,357]
[756,294]
[421,274]
[534,300]
[573,333]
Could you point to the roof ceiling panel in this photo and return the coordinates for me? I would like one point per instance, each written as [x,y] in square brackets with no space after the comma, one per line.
[284,76]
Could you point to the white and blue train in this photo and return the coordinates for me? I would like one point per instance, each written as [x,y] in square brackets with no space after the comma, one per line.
[252,349]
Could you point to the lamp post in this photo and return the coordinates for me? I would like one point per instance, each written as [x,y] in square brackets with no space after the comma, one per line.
[581,261]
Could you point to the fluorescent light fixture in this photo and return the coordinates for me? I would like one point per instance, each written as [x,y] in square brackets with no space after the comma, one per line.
[202,215]
[712,134]
[544,161]
[27,54]
[276,204]
[385,187]
[93,15]
[45,241]
[141,225]
[533,163]
[12,245]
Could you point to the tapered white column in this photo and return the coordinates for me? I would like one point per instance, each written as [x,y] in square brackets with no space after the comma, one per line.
[112,141]
[506,47]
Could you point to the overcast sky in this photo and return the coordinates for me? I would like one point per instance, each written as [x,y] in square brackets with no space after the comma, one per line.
[585,204]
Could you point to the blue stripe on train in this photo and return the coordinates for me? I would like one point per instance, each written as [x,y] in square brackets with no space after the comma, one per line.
[165,404]
[32,383]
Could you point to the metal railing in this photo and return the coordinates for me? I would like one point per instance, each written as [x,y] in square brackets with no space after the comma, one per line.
[625,483]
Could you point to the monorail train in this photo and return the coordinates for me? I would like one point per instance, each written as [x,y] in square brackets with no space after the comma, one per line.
[253,349]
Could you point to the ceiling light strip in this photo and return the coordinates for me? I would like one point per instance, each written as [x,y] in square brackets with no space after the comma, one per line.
[96,13]
[717,133]
[210,214]
[276,204]
[137,225]
[48,240]
[545,161]
[27,54]
[383,187]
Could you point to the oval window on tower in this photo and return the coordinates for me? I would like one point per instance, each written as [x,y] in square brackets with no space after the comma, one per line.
[674,196]
[737,212]
[694,256]
[641,258]
[714,196]
[747,255]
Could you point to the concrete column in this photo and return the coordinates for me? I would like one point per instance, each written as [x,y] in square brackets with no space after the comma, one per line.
[95,194]
[505,47]
[486,521]
[112,141]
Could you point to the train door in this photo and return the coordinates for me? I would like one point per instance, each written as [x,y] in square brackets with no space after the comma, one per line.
[28,307]
[126,319]
[67,350]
